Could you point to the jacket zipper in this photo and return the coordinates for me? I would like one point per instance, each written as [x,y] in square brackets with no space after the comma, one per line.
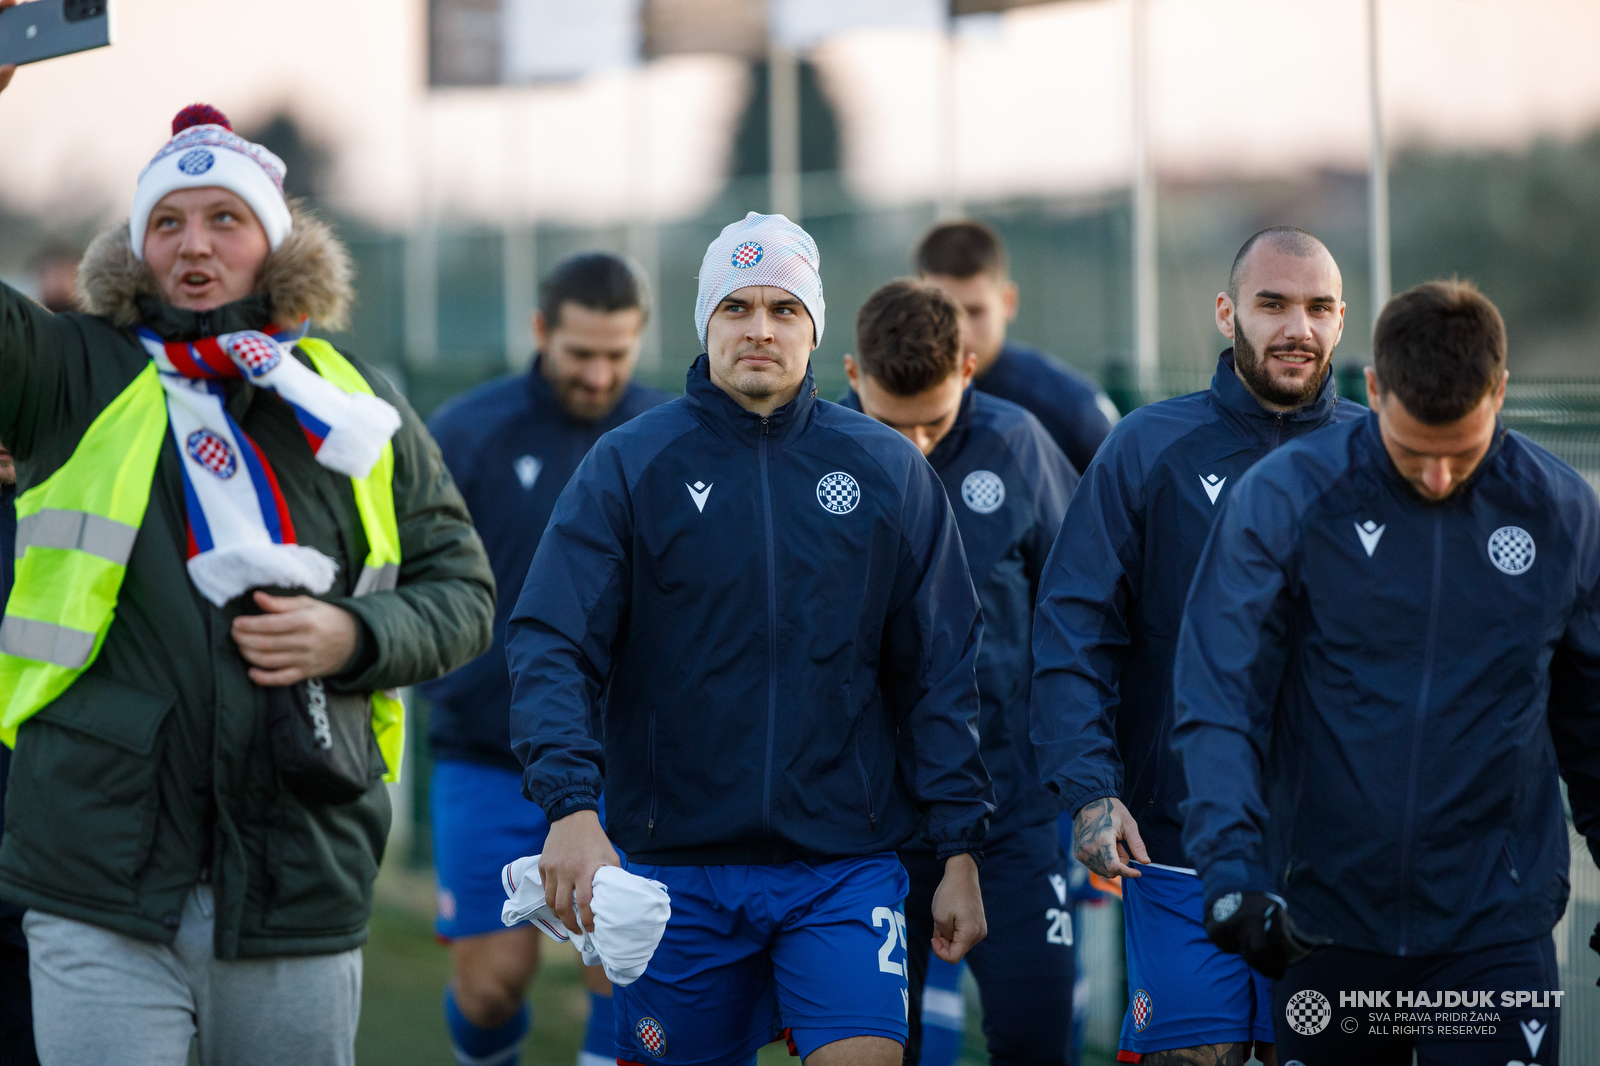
[1277,430]
[650,826]
[772,634]
[1416,735]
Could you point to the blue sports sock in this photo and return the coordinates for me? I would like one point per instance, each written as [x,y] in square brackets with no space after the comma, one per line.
[600,1039]
[473,1046]
[944,1013]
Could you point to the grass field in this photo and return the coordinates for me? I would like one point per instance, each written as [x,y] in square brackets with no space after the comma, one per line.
[402,1022]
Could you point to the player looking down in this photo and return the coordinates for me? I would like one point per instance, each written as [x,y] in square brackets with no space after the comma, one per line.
[512,445]
[1008,484]
[745,601]
[1393,646]
[967,262]
[1109,607]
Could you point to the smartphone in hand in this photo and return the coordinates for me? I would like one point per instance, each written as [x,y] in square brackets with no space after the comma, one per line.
[45,29]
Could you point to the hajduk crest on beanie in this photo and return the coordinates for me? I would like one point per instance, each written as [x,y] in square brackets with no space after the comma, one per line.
[205,152]
[761,250]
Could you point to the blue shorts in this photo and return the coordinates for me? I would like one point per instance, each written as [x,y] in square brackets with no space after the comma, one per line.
[1183,990]
[815,948]
[480,822]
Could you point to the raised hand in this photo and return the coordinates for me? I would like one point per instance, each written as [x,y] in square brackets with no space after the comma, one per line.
[9,69]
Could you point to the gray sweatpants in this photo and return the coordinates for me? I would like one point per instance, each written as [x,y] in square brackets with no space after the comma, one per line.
[112,1000]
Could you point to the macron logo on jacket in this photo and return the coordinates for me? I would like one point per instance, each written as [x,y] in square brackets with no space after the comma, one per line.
[698,492]
[1370,533]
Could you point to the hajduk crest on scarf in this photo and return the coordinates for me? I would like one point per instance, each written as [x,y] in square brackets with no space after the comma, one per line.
[240,534]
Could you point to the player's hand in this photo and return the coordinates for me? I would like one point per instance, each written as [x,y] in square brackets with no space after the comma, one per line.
[1257,926]
[297,637]
[10,69]
[576,847]
[958,921]
[1105,837]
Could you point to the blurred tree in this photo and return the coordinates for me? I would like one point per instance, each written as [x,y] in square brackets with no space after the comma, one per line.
[1524,227]
[309,161]
[819,125]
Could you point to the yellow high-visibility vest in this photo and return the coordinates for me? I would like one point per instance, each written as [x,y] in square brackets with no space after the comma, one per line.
[75,533]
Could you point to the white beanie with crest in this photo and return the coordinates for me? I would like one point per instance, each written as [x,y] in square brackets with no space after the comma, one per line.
[761,250]
[203,152]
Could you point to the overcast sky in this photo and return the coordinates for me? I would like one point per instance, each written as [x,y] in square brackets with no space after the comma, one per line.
[1240,86]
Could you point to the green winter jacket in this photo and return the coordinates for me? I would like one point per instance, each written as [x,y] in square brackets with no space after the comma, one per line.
[154,771]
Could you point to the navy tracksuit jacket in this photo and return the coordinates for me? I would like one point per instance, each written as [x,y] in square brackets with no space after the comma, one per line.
[762,606]
[1397,682]
[511,448]
[1070,406]
[1112,596]
[1008,484]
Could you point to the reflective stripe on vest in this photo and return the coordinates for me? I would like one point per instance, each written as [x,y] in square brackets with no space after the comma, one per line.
[381,570]
[75,531]
[75,534]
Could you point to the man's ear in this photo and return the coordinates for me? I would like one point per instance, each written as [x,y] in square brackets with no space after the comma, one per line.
[851,370]
[969,367]
[1374,395]
[541,331]
[1008,299]
[1225,313]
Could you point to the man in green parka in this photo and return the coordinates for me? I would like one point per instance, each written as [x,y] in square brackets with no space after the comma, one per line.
[216,514]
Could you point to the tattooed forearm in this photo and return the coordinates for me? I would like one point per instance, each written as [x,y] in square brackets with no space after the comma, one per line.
[1094,839]
[1205,1055]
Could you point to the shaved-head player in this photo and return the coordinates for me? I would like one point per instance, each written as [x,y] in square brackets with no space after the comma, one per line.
[1110,603]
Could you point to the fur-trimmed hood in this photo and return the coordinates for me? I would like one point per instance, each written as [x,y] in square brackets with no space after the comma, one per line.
[308,276]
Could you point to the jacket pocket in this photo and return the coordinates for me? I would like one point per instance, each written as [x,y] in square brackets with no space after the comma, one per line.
[321,862]
[866,782]
[83,797]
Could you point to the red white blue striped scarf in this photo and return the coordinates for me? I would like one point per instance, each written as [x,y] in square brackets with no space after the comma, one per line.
[241,535]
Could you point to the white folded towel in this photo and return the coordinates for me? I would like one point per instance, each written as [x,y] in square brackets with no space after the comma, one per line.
[630,914]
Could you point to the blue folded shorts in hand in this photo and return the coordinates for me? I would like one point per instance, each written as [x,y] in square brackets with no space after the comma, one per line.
[1183,990]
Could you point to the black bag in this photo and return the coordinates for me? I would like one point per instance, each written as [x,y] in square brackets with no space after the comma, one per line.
[322,741]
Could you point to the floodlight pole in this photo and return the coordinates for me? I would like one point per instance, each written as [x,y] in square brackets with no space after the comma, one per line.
[783,128]
[519,267]
[1146,321]
[1378,175]
[420,255]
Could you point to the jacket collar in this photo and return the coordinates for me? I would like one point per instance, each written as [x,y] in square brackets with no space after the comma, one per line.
[717,412]
[1372,433]
[177,324]
[1236,402]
